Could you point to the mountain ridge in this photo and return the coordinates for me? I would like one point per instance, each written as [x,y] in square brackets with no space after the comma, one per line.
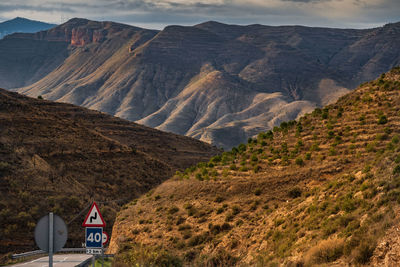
[140,75]
[19,24]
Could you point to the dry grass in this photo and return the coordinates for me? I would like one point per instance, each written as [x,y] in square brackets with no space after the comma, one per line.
[324,252]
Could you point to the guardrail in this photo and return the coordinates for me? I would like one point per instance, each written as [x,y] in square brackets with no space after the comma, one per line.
[36,252]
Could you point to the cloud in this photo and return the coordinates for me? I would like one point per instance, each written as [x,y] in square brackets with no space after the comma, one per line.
[159,13]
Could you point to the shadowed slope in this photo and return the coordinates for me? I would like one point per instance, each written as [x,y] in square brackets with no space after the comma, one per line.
[59,157]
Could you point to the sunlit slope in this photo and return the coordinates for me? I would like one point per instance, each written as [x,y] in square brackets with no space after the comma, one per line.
[320,190]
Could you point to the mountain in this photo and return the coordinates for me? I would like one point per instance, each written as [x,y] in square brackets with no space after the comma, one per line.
[319,191]
[23,25]
[215,82]
[60,157]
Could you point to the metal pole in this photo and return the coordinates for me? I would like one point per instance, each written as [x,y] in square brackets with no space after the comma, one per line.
[94,261]
[102,256]
[51,225]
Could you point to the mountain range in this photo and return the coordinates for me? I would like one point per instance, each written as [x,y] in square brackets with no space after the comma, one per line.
[22,25]
[215,82]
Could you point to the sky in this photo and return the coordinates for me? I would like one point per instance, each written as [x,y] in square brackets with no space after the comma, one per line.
[156,14]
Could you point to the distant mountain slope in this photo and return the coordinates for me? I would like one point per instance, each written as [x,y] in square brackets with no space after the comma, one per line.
[59,157]
[22,25]
[320,191]
[208,80]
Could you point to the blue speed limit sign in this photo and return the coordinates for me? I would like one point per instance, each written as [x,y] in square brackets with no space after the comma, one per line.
[94,237]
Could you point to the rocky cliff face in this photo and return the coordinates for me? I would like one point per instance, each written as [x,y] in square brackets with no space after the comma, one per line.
[211,79]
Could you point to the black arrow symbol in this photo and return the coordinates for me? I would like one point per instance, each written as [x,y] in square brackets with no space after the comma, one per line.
[93,217]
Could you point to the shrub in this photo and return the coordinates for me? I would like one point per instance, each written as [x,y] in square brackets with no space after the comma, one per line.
[382,119]
[173,210]
[257,192]
[256,169]
[198,239]
[364,252]
[243,169]
[308,156]
[324,252]
[235,210]
[299,161]
[199,177]
[396,169]
[295,192]
[233,167]
[315,147]
[325,113]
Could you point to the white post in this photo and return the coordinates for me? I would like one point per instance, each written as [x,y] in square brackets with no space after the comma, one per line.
[51,225]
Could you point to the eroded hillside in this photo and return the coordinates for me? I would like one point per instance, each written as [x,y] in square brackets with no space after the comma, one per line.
[59,157]
[320,190]
[206,81]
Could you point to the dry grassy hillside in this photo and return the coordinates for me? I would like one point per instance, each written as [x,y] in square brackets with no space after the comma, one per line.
[321,190]
[59,157]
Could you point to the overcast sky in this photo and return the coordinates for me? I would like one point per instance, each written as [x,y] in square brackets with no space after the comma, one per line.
[157,14]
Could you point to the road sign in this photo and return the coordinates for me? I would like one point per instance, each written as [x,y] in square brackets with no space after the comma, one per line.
[60,233]
[94,218]
[105,238]
[95,251]
[94,237]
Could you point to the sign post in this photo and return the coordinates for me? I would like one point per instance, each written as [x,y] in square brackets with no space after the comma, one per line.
[51,219]
[94,235]
[51,234]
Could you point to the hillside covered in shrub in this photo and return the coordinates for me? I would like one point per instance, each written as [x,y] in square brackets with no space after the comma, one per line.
[323,189]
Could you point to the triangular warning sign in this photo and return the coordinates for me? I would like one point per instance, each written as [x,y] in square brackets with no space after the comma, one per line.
[94,218]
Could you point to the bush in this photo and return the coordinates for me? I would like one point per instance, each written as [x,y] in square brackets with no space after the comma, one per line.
[382,119]
[299,161]
[173,210]
[257,192]
[308,156]
[295,192]
[396,169]
[324,252]
[364,252]
[199,177]
[198,239]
